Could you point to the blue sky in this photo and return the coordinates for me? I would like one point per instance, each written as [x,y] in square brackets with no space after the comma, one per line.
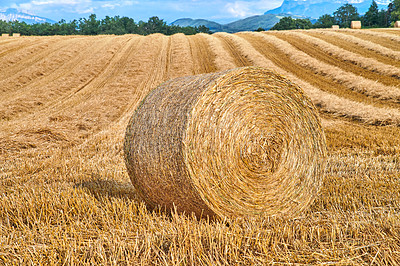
[170,10]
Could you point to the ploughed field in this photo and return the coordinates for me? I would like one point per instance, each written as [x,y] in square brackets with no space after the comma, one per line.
[65,196]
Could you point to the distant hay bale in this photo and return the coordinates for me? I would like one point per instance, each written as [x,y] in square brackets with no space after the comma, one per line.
[244,142]
[5,35]
[335,27]
[356,24]
[16,35]
[397,24]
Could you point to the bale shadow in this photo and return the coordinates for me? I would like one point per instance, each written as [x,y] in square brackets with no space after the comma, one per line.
[103,188]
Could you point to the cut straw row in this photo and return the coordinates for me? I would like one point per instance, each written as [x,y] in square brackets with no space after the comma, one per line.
[325,101]
[364,62]
[389,36]
[224,60]
[352,81]
[363,43]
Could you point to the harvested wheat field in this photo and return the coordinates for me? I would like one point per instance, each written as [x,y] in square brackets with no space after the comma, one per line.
[65,193]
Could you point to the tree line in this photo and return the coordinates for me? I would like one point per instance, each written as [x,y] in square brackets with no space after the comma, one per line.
[373,18]
[92,26]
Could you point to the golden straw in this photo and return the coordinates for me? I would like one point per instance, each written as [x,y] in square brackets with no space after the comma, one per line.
[243,142]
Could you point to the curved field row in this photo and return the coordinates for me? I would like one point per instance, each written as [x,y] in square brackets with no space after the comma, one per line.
[201,54]
[331,54]
[99,101]
[18,60]
[66,198]
[59,77]
[239,59]
[44,70]
[328,102]
[387,39]
[224,60]
[15,47]
[350,80]
[286,63]
[363,44]
[12,45]
[83,87]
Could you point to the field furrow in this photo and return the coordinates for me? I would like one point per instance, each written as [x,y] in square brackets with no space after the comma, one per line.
[101,101]
[49,68]
[327,102]
[282,59]
[391,31]
[358,44]
[346,60]
[223,60]
[364,83]
[18,61]
[66,197]
[388,40]
[179,54]
[65,77]
[229,46]
[8,46]
[201,54]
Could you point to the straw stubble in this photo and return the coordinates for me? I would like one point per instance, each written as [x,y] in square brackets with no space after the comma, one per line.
[243,142]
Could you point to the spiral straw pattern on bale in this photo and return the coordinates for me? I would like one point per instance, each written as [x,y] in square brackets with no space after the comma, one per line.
[243,142]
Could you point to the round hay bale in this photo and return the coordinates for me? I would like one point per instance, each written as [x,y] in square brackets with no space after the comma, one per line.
[355,25]
[243,142]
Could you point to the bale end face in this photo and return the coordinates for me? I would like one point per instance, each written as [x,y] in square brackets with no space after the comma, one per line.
[243,142]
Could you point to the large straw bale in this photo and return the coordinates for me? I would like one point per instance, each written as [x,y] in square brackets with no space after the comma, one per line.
[356,24]
[397,24]
[5,35]
[16,35]
[243,142]
[335,27]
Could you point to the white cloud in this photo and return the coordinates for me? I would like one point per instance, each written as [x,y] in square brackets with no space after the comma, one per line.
[57,2]
[44,6]
[130,3]
[221,10]
[110,6]
[239,9]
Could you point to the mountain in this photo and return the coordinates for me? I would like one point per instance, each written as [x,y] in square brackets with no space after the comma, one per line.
[317,8]
[12,14]
[188,22]
[247,24]
[252,23]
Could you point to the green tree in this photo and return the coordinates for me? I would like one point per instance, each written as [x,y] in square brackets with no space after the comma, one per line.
[285,23]
[303,24]
[65,28]
[92,26]
[325,21]
[394,11]
[371,17]
[288,23]
[203,29]
[89,26]
[345,14]
[384,18]
[155,25]
[5,27]
[128,24]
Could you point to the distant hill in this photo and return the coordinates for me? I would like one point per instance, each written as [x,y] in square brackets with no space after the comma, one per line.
[252,23]
[317,8]
[188,22]
[12,14]
[247,24]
